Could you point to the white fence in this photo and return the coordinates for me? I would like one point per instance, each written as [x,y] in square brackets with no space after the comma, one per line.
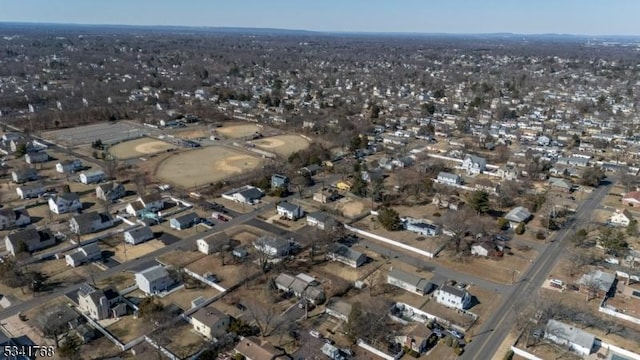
[621,351]
[205,280]
[377,352]
[622,316]
[391,242]
[524,354]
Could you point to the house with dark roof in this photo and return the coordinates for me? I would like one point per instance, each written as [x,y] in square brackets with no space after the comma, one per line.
[10,218]
[279,181]
[30,191]
[345,255]
[138,235]
[419,339]
[302,286]
[474,164]
[90,222]
[110,191]
[290,211]
[92,177]
[338,308]
[453,297]
[273,246]
[210,322]
[449,178]
[69,166]
[409,282]
[421,227]
[321,220]
[64,203]
[184,221]
[84,255]
[253,349]
[29,240]
[213,244]
[249,195]
[36,157]
[23,175]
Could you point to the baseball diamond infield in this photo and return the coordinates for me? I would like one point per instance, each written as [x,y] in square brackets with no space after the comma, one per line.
[283,145]
[205,165]
[139,147]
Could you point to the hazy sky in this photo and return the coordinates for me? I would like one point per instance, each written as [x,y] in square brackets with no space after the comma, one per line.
[603,17]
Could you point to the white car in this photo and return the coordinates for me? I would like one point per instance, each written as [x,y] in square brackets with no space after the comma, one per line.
[315,334]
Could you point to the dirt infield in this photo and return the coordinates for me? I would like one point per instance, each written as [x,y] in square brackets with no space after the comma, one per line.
[139,147]
[238,131]
[205,165]
[283,145]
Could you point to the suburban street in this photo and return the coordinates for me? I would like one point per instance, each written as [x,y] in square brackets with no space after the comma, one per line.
[497,327]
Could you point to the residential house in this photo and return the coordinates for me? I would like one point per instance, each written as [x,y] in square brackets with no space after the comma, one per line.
[345,255]
[92,177]
[560,184]
[419,339]
[279,181]
[10,218]
[449,178]
[154,280]
[321,220]
[249,195]
[325,196]
[576,339]
[100,304]
[302,286]
[152,202]
[110,191]
[474,164]
[338,308]
[29,240]
[485,249]
[517,216]
[253,349]
[210,322]
[64,203]
[69,166]
[30,191]
[331,352]
[184,221]
[344,185]
[508,172]
[90,222]
[84,255]
[421,227]
[621,218]
[597,283]
[36,157]
[138,235]
[409,282]
[289,211]
[453,297]
[21,176]
[631,199]
[135,208]
[310,170]
[273,246]
[446,202]
[213,244]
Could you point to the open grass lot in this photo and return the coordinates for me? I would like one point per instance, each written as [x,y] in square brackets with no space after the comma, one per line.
[228,275]
[240,130]
[139,147]
[350,207]
[101,348]
[500,270]
[205,165]
[184,341]
[134,251]
[120,281]
[193,134]
[127,328]
[347,272]
[183,297]
[282,145]
[108,132]
[180,258]
[407,237]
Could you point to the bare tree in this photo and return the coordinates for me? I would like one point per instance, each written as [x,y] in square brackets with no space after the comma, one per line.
[266,317]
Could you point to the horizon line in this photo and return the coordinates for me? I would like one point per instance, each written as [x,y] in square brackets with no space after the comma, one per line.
[329,32]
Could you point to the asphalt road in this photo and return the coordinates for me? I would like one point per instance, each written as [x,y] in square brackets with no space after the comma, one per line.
[498,326]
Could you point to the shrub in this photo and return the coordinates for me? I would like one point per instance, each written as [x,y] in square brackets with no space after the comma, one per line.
[540,235]
[502,223]
[520,229]
[459,350]
[436,214]
[449,341]
[508,355]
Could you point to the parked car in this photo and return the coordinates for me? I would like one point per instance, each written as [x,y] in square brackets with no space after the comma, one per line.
[456,334]
[315,334]
[241,307]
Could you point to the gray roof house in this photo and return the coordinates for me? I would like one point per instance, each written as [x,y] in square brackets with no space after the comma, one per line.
[90,222]
[338,308]
[474,164]
[249,195]
[289,210]
[449,178]
[518,215]
[409,282]
[273,246]
[138,235]
[24,175]
[321,220]
[577,340]
[100,304]
[453,297]
[301,285]
[345,255]
[598,279]
[110,191]
[29,240]
[185,221]
[64,203]
[154,280]
[10,218]
[83,255]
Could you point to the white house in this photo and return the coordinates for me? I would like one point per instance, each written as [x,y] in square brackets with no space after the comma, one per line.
[10,218]
[210,322]
[289,210]
[64,203]
[250,195]
[100,304]
[68,166]
[449,178]
[453,297]
[474,164]
[83,255]
[212,244]
[621,218]
[90,222]
[517,216]
[138,235]
[273,246]
[152,202]
[154,280]
[92,177]
[409,282]
[345,255]
[321,220]
[30,191]
[576,339]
